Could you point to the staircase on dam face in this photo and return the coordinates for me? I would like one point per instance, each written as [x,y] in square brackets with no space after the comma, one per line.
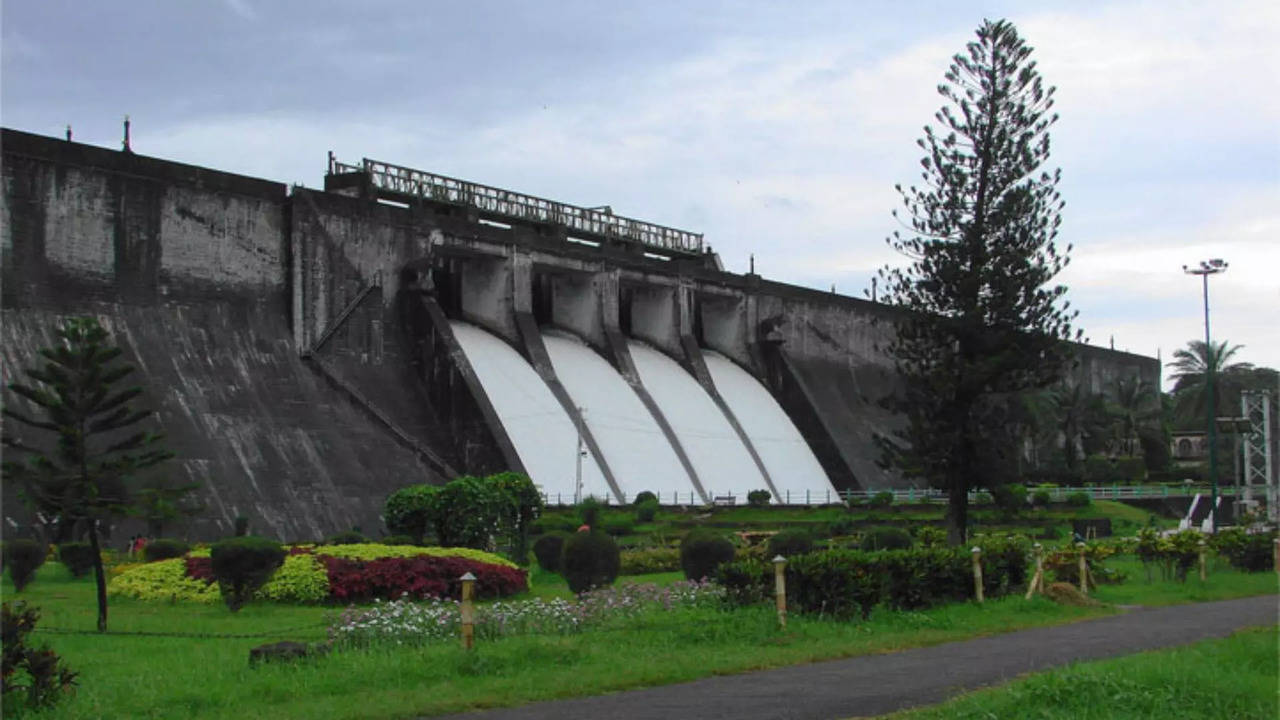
[696,457]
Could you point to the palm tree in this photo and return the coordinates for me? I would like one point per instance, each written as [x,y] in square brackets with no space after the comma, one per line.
[1137,411]
[1083,421]
[1190,366]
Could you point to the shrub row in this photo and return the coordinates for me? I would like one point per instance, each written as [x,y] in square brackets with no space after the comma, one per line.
[649,560]
[1250,552]
[845,583]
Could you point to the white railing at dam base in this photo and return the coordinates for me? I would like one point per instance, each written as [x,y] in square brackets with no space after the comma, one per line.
[912,495]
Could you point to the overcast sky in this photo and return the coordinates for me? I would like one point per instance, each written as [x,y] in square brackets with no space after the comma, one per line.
[777,129]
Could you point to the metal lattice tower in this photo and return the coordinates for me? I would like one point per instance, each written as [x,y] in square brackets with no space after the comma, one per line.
[1256,406]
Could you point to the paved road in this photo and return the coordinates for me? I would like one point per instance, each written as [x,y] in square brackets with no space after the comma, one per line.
[878,684]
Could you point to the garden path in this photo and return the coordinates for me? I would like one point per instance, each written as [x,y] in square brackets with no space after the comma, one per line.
[877,684]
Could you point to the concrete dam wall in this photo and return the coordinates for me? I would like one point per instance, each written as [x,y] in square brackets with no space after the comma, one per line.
[308,352]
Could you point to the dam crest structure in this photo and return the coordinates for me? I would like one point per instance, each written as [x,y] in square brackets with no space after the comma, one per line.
[309,352]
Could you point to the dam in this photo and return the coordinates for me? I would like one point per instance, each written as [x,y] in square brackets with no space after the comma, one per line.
[310,351]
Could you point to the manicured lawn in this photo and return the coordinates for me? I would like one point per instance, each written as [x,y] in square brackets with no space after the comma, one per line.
[1229,679]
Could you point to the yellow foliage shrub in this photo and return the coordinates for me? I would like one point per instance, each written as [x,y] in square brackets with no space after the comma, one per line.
[162,580]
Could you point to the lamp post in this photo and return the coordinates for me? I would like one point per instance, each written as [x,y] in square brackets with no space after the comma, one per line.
[1207,268]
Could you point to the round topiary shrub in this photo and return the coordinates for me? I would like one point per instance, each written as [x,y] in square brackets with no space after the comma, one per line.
[759,498]
[1041,498]
[347,537]
[589,560]
[790,543]
[644,496]
[163,549]
[21,558]
[886,538]
[397,540]
[1079,499]
[1011,497]
[884,498]
[241,565]
[842,527]
[702,551]
[77,556]
[548,548]
[647,511]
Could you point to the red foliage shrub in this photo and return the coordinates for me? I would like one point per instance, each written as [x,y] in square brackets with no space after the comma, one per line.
[200,568]
[420,576]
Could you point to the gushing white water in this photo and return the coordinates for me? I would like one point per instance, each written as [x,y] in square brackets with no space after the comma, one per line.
[791,464]
[633,445]
[718,456]
[543,435]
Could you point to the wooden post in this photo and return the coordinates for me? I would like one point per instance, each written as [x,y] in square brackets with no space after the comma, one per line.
[780,589]
[1084,571]
[1037,580]
[468,611]
[977,572]
[1203,575]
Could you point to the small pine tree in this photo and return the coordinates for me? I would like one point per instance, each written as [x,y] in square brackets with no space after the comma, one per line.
[78,401]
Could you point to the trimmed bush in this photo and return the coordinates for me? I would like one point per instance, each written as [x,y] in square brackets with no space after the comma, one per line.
[646,511]
[589,560]
[77,556]
[22,558]
[1079,499]
[242,565]
[843,527]
[397,540]
[841,583]
[407,511]
[915,579]
[759,498]
[555,523]
[931,536]
[348,537]
[164,549]
[883,499]
[643,497]
[1011,497]
[745,582]
[886,538]
[618,526]
[167,580]
[789,543]
[702,551]
[1041,498]
[1250,552]
[589,511]
[548,549]
[649,560]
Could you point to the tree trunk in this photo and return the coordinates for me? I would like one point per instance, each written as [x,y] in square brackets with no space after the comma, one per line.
[957,512]
[99,575]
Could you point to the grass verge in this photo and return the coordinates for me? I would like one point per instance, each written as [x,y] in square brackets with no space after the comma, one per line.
[1228,679]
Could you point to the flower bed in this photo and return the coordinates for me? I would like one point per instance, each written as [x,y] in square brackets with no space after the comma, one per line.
[434,620]
[344,573]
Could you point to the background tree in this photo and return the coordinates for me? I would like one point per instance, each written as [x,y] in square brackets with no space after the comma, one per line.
[1190,367]
[160,501]
[85,477]
[986,323]
[1135,407]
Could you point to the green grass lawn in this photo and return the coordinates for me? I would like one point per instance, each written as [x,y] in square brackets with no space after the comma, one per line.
[1223,583]
[1229,679]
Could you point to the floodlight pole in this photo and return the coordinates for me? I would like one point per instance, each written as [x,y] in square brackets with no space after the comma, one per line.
[1207,268]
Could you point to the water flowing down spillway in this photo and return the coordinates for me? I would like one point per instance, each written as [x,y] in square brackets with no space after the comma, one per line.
[792,466]
[634,447]
[721,460]
[543,435]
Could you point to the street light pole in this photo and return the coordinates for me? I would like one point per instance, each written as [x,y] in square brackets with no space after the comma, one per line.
[1207,268]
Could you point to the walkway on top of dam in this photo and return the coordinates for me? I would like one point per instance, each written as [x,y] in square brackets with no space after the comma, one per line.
[872,685]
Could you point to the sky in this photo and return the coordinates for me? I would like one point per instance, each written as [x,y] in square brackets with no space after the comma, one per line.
[776,129]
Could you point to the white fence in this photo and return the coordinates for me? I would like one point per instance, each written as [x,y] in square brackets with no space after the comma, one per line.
[911,495]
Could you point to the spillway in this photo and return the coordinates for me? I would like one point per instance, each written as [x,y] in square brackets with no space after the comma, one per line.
[792,466]
[544,436]
[718,455]
[634,447]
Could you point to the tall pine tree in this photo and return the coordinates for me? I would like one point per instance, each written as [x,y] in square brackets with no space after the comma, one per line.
[986,323]
[85,477]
